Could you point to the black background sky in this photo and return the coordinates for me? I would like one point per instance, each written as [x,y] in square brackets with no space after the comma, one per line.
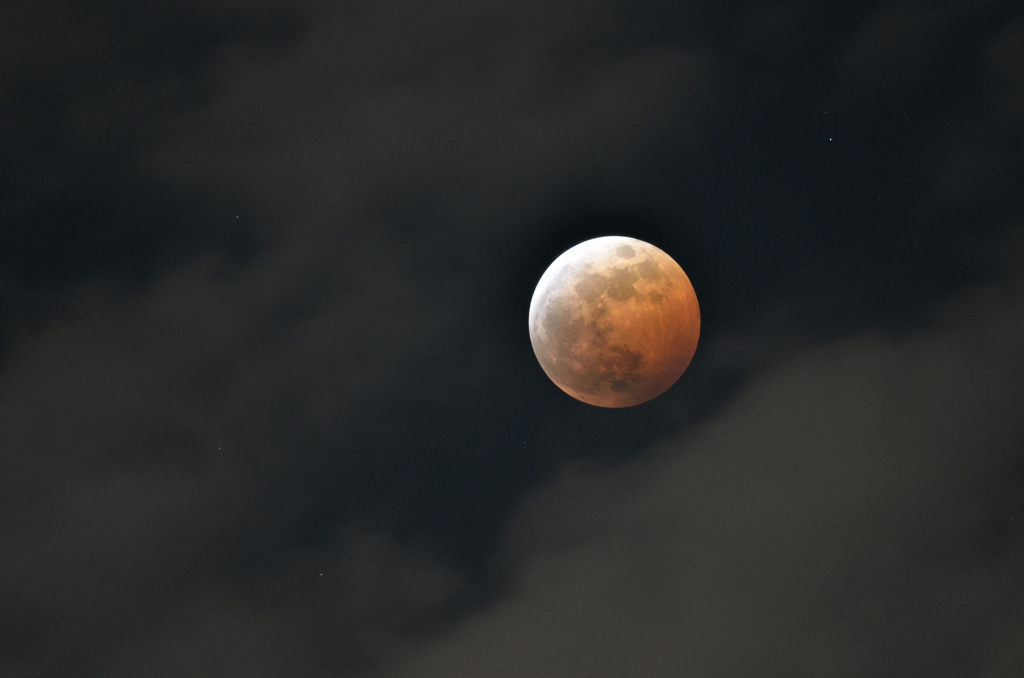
[268,405]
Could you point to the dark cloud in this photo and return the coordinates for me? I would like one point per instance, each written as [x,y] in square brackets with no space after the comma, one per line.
[842,516]
[268,399]
[980,154]
[178,419]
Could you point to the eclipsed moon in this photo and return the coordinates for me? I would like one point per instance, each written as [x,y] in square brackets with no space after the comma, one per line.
[614,321]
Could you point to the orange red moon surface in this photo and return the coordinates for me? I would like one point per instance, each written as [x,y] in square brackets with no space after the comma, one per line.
[614,321]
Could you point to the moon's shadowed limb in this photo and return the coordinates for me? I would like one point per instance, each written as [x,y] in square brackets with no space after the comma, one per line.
[614,321]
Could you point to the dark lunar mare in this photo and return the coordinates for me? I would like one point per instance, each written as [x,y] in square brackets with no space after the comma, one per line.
[578,354]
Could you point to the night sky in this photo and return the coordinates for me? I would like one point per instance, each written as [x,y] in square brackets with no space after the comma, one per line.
[268,402]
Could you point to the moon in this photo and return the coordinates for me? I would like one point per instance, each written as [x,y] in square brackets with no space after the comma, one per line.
[614,321]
